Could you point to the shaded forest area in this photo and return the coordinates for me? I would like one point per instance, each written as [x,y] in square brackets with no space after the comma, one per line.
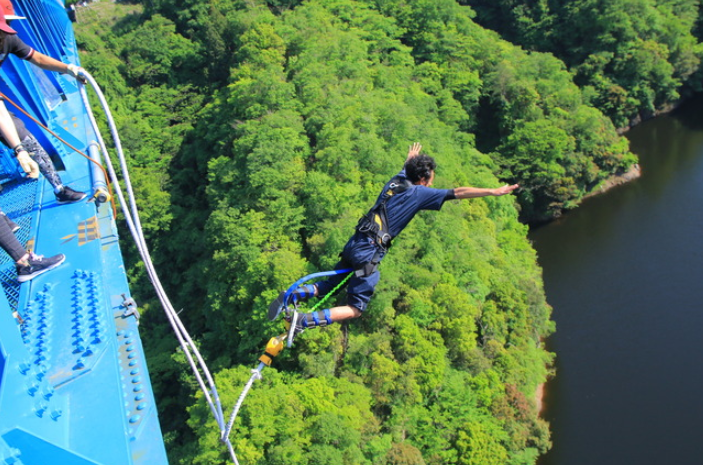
[258,132]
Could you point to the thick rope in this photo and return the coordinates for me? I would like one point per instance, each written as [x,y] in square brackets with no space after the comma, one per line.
[190,350]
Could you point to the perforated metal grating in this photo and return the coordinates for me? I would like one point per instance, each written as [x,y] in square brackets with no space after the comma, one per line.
[17,202]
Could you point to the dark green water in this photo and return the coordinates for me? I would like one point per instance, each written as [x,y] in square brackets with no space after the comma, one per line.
[624,273]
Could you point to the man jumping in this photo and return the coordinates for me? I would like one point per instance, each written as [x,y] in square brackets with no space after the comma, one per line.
[401,198]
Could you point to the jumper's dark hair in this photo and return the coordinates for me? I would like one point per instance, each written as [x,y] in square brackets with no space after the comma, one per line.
[420,166]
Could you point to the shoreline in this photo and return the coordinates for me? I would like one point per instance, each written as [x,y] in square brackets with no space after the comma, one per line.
[604,186]
[631,174]
[539,399]
[665,110]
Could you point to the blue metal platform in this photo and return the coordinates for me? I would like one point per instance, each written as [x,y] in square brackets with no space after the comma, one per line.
[74,385]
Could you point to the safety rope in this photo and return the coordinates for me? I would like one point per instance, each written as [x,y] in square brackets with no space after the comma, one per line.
[274,346]
[195,359]
[192,353]
[334,291]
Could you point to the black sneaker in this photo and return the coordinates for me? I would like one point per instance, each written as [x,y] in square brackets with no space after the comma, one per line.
[276,307]
[36,265]
[68,195]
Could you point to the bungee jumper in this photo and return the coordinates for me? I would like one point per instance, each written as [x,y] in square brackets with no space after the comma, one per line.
[402,197]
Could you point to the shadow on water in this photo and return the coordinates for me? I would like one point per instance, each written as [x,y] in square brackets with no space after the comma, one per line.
[623,273]
[690,114]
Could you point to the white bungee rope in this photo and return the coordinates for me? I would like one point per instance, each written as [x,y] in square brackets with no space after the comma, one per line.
[191,351]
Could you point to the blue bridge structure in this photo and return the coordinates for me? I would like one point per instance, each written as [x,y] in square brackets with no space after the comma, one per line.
[74,383]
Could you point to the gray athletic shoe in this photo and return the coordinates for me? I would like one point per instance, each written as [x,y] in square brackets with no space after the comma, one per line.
[36,265]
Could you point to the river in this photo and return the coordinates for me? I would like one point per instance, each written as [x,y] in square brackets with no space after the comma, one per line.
[624,273]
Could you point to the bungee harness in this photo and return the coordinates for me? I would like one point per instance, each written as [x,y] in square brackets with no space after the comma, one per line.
[375,224]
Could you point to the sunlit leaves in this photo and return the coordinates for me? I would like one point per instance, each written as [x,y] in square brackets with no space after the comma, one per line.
[277,137]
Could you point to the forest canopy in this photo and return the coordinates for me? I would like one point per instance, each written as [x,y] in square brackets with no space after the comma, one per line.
[258,132]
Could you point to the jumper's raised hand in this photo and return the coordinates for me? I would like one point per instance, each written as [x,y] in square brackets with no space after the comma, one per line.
[414,150]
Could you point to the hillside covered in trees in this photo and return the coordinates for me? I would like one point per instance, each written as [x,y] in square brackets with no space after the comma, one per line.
[259,132]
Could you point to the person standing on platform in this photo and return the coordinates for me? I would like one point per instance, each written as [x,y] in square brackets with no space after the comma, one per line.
[30,154]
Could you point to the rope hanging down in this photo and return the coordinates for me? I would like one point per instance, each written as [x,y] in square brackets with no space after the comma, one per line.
[275,344]
[195,359]
[200,370]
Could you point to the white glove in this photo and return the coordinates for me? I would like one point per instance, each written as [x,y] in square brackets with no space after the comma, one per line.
[76,71]
[28,165]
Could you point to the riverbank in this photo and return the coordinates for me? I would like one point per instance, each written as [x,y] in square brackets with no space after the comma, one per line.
[539,399]
[631,174]
[639,119]
[635,170]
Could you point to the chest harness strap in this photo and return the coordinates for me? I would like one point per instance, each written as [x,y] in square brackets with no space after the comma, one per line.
[375,223]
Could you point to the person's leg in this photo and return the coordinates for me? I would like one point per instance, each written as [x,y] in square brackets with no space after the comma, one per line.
[64,194]
[359,292]
[306,291]
[14,227]
[346,312]
[322,288]
[28,265]
[328,316]
[46,166]
[10,244]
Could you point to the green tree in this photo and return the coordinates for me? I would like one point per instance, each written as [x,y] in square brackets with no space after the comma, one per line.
[257,157]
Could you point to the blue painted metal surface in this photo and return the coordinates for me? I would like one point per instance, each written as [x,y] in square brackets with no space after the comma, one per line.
[74,385]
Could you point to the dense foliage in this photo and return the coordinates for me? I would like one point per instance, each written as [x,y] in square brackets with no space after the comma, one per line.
[260,131]
[638,57]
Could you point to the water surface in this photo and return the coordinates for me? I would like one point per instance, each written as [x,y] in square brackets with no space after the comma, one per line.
[624,273]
